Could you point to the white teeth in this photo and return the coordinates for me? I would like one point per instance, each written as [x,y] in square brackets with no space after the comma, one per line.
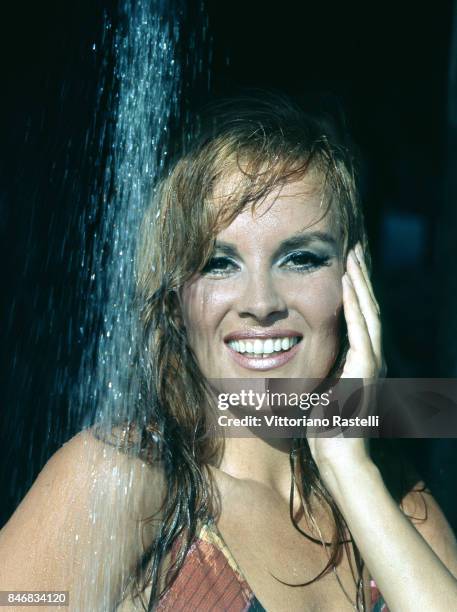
[258,347]
[268,346]
[263,347]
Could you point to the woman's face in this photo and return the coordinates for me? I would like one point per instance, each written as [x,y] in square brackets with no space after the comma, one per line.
[268,304]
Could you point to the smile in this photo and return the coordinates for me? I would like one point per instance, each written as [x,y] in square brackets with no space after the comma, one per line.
[263,348]
[263,352]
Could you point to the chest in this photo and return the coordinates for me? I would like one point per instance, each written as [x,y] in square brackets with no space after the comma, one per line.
[252,552]
[276,560]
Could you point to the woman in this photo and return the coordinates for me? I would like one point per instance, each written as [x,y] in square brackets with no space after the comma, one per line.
[253,264]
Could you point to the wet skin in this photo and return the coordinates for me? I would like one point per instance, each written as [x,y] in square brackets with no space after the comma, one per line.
[275,274]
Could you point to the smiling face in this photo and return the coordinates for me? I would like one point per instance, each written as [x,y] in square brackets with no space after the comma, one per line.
[269,301]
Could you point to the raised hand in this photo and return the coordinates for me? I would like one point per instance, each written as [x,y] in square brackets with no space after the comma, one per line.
[364,360]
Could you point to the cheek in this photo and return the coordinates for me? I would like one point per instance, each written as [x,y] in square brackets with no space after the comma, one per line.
[319,299]
[204,304]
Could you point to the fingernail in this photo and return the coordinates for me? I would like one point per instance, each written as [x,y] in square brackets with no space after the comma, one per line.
[354,257]
[358,251]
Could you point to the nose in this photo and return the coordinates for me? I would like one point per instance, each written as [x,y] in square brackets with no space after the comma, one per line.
[261,299]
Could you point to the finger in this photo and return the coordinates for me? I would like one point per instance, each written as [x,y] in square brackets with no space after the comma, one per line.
[367,306]
[361,259]
[358,334]
[378,340]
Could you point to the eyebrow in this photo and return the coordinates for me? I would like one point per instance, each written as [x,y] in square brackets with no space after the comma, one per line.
[296,241]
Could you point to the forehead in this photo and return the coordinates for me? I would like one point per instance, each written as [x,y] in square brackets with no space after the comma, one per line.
[298,206]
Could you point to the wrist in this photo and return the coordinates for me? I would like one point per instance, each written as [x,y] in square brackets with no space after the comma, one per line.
[348,477]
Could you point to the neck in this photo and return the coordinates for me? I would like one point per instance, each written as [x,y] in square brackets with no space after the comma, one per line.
[264,461]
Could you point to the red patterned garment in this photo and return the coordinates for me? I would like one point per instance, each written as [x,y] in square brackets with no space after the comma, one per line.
[211,581]
[377,602]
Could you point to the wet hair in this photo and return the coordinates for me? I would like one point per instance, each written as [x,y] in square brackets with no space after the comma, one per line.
[261,141]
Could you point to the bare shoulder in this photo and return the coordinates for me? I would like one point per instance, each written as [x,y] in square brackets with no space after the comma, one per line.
[89,503]
[423,510]
[90,469]
[113,454]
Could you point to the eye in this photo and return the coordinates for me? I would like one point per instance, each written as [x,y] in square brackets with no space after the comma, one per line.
[220,266]
[305,260]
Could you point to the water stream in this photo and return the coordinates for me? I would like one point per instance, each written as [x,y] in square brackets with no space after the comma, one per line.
[144,95]
[134,134]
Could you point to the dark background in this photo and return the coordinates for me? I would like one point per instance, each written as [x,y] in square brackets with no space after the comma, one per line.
[388,63]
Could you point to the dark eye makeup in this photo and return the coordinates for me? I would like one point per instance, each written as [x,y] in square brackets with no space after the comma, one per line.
[219,265]
[299,261]
[305,260]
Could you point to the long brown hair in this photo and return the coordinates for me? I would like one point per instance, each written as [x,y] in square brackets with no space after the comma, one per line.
[270,140]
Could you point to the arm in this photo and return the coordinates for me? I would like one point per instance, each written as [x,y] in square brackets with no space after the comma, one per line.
[78,527]
[406,560]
